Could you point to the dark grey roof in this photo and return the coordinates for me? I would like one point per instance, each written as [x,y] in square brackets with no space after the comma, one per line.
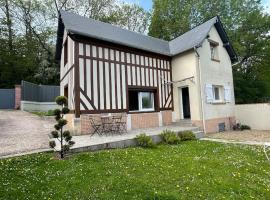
[76,24]
[104,31]
[192,38]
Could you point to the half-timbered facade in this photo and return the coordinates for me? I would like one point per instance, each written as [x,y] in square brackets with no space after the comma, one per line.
[108,76]
[105,69]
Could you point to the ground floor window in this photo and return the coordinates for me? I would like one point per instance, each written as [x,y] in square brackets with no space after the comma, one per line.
[141,101]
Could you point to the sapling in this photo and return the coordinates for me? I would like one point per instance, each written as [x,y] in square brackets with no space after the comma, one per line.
[64,137]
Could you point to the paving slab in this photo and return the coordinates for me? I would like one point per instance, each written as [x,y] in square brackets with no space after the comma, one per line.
[97,142]
[22,132]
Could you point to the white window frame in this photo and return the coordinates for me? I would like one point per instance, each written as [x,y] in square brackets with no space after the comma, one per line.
[140,102]
[214,54]
[220,92]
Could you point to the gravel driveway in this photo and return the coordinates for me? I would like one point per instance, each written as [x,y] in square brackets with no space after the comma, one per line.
[21,132]
[247,135]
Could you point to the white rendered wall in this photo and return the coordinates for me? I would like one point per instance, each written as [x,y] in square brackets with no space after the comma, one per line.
[184,66]
[254,115]
[216,73]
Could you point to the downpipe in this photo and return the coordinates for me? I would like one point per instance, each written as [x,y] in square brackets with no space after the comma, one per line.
[201,93]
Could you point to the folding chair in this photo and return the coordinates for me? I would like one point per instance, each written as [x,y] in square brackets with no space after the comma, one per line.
[266,148]
[121,124]
[96,126]
[116,119]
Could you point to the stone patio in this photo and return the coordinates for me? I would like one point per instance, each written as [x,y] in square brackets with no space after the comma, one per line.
[96,142]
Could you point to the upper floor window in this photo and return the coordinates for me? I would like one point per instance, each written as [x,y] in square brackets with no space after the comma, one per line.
[214,50]
[65,52]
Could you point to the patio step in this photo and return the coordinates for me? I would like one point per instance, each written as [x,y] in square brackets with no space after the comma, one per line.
[199,133]
[183,122]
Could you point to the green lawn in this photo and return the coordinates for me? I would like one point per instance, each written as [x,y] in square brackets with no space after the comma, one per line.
[190,170]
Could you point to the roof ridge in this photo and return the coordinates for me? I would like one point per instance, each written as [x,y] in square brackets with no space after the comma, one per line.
[194,28]
[113,25]
[92,28]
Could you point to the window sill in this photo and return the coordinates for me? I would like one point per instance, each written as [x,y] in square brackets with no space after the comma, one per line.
[216,60]
[218,102]
[142,111]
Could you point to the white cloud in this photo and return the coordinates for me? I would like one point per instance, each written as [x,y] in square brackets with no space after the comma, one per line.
[266,5]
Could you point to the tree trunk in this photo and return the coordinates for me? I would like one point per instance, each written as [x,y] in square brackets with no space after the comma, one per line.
[9,26]
[62,152]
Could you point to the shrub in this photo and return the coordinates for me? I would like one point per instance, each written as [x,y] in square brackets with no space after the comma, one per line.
[240,127]
[50,113]
[236,127]
[186,135]
[170,137]
[62,122]
[57,112]
[244,127]
[65,110]
[64,137]
[52,144]
[55,134]
[144,140]
[61,100]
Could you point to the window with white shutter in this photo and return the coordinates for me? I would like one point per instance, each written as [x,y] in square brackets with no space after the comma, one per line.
[209,93]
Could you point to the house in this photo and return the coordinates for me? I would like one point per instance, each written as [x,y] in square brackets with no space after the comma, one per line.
[106,69]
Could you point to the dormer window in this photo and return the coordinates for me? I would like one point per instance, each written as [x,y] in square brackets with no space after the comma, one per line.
[214,50]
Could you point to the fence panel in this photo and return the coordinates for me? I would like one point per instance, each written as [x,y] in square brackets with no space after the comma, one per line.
[7,98]
[39,93]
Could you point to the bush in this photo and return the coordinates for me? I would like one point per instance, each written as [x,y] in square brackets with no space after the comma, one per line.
[186,135]
[170,137]
[65,110]
[55,134]
[52,144]
[50,113]
[64,137]
[61,100]
[240,127]
[57,112]
[62,122]
[236,127]
[144,140]
[244,127]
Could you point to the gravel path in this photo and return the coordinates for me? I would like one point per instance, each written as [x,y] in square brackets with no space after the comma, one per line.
[22,132]
[252,135]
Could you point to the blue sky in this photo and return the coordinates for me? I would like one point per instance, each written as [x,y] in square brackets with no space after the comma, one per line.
[266,4]
[147,4]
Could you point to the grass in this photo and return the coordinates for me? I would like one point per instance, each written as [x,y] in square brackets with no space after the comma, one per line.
[190,170]
[41,113]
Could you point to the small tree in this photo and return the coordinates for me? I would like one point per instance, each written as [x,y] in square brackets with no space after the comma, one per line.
[65,136]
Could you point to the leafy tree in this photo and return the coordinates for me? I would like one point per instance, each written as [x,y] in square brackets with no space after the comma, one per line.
[170,18]
[129,16]
[28,34]
[247,26]
[64,137]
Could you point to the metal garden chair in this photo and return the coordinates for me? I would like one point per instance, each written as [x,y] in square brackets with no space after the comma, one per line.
[120,124]
[96,126]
